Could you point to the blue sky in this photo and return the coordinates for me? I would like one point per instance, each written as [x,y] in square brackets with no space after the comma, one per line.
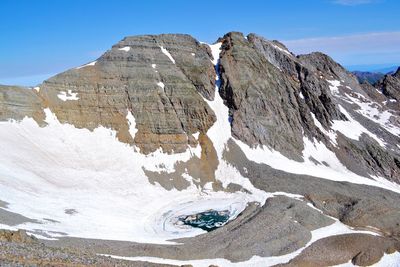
[43,37]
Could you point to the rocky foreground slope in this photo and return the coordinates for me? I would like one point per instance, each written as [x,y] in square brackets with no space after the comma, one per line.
[303,158]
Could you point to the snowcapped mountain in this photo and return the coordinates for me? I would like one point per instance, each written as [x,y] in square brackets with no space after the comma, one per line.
[287,159]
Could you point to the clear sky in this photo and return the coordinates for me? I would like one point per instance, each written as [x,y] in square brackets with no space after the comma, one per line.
[43,37]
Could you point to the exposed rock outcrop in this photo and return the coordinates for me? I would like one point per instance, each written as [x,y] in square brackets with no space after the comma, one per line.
[18,102]
[390,85]
[19,236]
[264,102]
[160,79]
[272,96]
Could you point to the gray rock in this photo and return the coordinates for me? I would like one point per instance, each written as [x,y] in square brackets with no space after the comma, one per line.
[271,95]
[390,85]
[262,101]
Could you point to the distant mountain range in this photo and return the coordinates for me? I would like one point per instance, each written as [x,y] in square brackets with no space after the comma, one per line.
[370,77]
[373,76]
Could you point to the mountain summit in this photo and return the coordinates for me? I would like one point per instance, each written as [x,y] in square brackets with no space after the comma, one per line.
[286,158]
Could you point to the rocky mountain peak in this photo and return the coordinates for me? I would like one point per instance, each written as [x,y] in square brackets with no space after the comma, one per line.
[160,79]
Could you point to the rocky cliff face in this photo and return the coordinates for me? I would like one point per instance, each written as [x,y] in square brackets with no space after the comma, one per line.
[161,80]
[390,85]
[18,102]
[259,122]
[276,98]
[271,94]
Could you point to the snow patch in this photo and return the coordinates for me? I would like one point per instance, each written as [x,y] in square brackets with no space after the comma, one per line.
[196,135]
[89,64]
[334,84]
[295,196]
[37,88]
[126,48]
[281,49]
[132,124]
[165,52]
[335,170]
[161,84]
[65,96]
[373,111]
[7,227]
[153,66]
[215,51]
[352,128]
